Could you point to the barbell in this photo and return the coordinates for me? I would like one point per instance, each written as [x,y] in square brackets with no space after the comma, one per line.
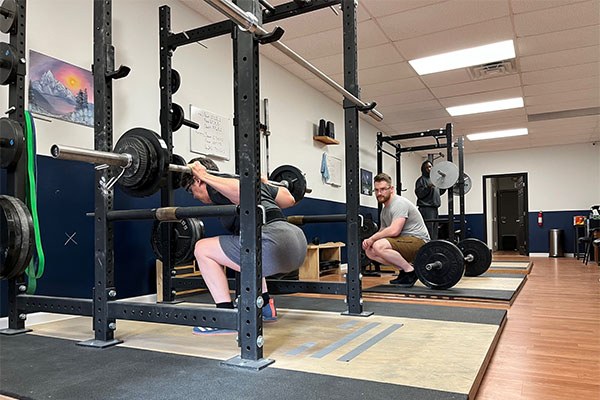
[144,161]
[440,264]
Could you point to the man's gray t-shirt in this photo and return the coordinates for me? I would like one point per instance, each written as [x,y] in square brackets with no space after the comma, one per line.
[402,207]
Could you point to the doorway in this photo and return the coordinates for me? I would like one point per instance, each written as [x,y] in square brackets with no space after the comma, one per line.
[505,205]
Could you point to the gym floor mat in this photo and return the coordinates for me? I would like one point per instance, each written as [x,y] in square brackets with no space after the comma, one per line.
[319,354]
[511,267]
[490,287]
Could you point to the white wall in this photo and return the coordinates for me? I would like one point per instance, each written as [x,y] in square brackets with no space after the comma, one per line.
[560,177]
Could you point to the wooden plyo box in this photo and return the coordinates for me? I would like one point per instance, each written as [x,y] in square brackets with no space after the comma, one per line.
[315,254]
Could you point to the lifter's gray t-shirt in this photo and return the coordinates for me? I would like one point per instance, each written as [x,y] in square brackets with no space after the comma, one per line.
[401,207]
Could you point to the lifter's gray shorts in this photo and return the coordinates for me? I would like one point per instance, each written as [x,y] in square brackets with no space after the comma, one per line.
[283,248]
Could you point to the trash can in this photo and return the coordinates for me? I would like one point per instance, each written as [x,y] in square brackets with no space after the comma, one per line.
[555,238]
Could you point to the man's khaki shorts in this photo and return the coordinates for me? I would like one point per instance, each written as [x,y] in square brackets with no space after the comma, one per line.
[407,246]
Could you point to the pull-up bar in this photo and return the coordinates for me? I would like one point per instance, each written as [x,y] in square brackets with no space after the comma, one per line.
[248,21]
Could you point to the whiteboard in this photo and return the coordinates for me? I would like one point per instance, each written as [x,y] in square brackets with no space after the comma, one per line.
[334,165]
[214,135]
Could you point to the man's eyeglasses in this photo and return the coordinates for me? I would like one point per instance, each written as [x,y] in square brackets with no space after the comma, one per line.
[188,188]
[382,189]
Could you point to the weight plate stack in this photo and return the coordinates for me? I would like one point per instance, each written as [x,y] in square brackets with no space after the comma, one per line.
[294,177]
[16,237]
[149,165]
[186,233]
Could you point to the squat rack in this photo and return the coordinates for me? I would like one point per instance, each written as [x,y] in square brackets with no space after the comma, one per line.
[246,39]
[443,140]
[247,318]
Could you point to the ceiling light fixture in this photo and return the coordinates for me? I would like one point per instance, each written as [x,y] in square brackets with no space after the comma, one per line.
[498,134]
[488,106]
[464,58]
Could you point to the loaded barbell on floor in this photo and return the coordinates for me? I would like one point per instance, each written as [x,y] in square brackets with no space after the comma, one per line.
[144,161]
[440,264]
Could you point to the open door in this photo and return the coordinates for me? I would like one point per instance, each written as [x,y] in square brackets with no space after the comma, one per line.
[523,231]
[505,209]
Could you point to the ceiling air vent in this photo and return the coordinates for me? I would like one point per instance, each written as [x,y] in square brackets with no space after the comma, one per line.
[493,70]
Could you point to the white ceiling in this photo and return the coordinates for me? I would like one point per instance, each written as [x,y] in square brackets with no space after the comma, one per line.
[557,64]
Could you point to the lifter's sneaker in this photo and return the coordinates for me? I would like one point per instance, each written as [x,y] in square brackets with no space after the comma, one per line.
[407,279]
[207,331]
[397,279]
[269,312]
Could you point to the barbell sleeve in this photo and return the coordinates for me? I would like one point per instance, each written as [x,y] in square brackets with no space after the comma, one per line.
[91,156]
[435,264]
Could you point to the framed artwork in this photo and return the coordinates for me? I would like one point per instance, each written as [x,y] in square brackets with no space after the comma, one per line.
[60,90]
[366,182]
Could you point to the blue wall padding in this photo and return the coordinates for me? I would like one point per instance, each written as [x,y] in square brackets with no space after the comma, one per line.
[538,236]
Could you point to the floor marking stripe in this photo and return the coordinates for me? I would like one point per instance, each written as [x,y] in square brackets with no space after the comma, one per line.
[332,347]
[301,349]
[369,343]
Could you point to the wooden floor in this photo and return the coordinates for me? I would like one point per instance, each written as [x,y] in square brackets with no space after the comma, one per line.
[550,347]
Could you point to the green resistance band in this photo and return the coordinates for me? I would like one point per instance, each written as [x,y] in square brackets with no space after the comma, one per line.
[33,273]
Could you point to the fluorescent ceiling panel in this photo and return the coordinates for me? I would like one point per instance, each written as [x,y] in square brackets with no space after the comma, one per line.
[488,106]
[498,134]
[464,58]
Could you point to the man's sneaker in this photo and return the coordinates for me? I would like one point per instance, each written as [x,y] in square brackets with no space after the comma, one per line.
[206,331]
[269,312]
[406,280]
[397,279]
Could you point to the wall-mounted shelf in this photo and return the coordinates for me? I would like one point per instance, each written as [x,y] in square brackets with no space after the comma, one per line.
[326,140]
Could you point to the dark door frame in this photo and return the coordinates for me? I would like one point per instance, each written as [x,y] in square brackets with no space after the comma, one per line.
[526,200]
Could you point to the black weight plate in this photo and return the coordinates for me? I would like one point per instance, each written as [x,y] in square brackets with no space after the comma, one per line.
[8,63]
[157,162]
[185,234]
[453,267]
[467,182]
[8,15]
[177,176]
[135,174]
[178,115]
[482,256]
[368,229]
[12,142]
[17,244]
[175,81]
[294,177]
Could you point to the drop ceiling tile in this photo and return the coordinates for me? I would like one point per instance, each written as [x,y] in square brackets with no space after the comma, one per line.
[381,8]
[560,74]
[556,41]
[561,86]
[479,86]
[523,6]
[385,73]
[440,17]
[481,97]
[401,85]
[583,55]
[562,106]
[456,39]
[592,94]
[557,18]
[404,97]
[446,78]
